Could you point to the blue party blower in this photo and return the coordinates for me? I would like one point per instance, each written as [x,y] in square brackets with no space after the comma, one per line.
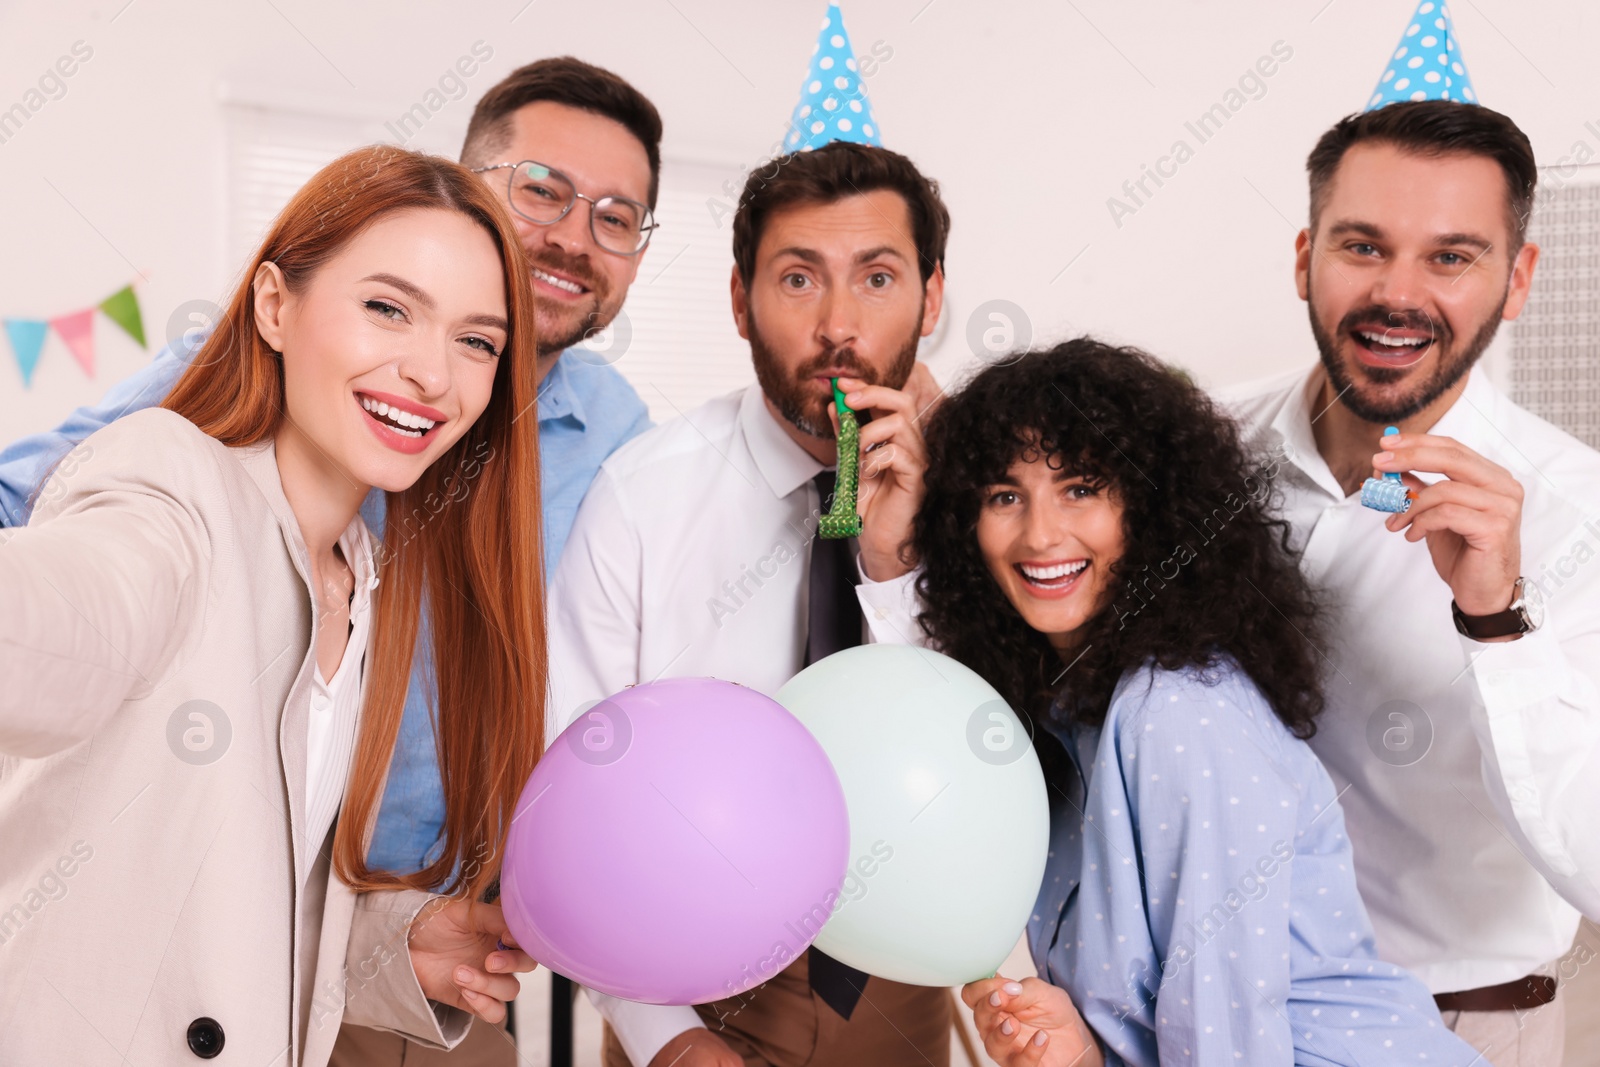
[1388,493]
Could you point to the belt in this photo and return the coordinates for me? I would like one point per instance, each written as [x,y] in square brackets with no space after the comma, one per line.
[1518,995]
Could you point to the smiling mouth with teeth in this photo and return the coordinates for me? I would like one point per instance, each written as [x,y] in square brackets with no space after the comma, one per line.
[560,283]
[1386,343]
[1055,576]
[401,422]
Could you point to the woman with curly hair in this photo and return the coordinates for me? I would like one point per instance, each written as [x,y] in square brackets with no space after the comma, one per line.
[1096,543]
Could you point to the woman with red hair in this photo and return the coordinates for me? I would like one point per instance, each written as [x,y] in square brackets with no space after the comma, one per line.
[206,654]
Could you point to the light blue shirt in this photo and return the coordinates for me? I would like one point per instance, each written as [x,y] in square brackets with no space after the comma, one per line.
[1199,902]
[586,411]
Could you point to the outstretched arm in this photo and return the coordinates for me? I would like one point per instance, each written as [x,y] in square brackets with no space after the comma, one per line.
[26,462]
[101,589]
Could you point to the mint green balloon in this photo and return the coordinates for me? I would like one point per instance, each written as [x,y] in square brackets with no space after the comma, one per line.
[949,822]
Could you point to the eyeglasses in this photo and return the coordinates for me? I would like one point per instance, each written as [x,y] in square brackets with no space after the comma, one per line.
[544,195]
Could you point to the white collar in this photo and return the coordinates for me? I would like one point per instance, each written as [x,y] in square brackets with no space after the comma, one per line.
[1469,420]
[782,462]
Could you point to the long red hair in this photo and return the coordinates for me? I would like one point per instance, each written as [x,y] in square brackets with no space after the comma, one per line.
[467,534]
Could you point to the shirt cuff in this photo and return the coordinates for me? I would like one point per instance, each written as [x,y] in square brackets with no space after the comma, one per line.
[644,1029]
[1514,678]
[382,991]
[891,608]
[1514,674]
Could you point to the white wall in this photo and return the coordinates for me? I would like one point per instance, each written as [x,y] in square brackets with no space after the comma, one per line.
[1031,113]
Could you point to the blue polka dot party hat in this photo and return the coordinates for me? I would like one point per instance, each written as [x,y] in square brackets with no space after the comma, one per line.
[833,101]
[1427,63]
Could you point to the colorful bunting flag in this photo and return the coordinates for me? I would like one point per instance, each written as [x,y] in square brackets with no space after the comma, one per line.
[76,328]
[122,308]
[27,338]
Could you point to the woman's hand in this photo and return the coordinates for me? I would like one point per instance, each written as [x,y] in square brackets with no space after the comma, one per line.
[1030,1022]
[457,962]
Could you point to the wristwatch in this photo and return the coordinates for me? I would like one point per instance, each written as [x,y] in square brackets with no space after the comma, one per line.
[1525,615]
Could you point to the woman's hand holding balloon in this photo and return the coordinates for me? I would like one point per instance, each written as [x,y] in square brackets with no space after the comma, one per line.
[458,959]
[1030,1022]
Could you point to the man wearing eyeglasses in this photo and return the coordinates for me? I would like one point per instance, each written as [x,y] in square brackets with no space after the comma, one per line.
[576,150]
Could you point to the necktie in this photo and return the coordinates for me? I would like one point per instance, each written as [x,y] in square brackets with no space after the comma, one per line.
[835,624]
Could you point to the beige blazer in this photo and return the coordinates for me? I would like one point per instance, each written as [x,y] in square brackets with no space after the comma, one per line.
[156,637]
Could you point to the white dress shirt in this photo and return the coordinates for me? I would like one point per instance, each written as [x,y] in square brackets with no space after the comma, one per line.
[336,702]
[690,557]
[1470,771]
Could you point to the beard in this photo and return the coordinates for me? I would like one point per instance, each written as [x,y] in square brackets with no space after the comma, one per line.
[560,326]
[793,393]
[1366,391]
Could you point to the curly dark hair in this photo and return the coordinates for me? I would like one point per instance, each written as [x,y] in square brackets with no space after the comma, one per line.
[1206,571]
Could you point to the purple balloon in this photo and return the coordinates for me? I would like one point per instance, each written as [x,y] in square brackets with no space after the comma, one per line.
[680,842]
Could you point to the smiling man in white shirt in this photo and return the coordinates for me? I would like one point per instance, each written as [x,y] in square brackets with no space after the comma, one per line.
[694,553]
[1464,634]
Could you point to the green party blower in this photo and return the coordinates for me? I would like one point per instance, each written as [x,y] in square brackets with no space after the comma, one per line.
[842,519]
